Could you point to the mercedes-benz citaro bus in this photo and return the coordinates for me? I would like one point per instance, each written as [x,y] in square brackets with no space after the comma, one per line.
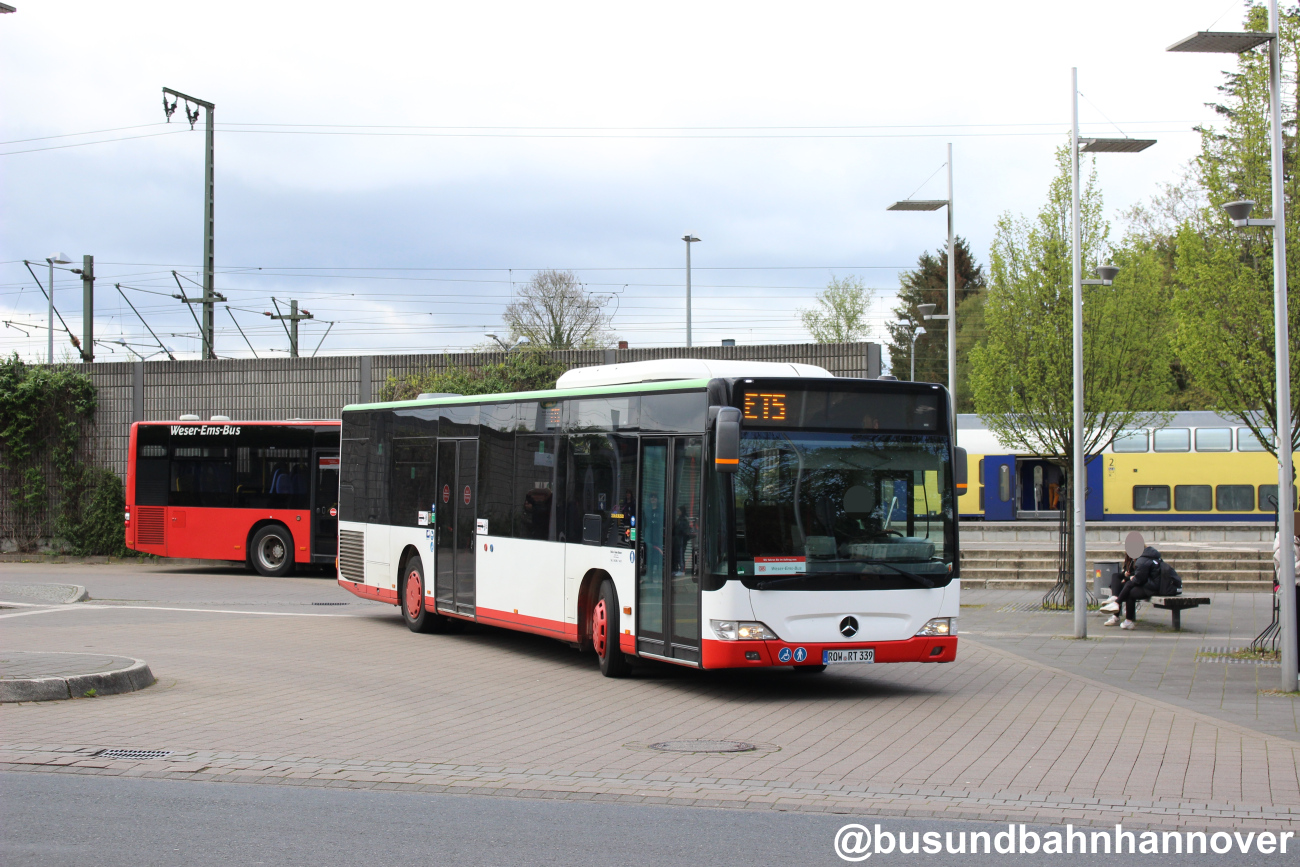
[713,514]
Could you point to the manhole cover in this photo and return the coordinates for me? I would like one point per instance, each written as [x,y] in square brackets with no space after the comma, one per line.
[703,747]
[134,754]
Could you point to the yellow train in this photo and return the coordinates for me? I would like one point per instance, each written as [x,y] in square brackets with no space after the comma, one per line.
[1198,467]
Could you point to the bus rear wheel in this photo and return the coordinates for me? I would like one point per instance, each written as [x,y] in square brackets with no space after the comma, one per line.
[605,633]
[272,551]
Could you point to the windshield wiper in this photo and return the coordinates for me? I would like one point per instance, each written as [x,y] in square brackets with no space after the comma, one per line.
[919,579]
[791,579]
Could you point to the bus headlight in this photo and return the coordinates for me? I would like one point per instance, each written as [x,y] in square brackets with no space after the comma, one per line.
[939,626]
[742,630]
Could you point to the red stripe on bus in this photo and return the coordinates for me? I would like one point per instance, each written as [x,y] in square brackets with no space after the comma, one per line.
[365,591]
[525,623]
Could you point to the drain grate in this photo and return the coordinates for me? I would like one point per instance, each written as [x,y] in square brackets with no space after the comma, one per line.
[331,603]
[702,746]
[134,754]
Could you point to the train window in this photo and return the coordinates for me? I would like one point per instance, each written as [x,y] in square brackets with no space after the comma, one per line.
[1151,498]
[1268,498]
[1192,498]
[1214,439]
[1234,498]
[1004,483]
[1248,442]
[1173,439]
[1130,441]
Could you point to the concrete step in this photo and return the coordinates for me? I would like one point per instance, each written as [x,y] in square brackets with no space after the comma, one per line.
[1112,533]
[1189,587]
[1184,569]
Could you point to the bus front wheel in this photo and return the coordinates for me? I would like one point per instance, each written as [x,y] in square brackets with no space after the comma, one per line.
[415,603]
[272,551]
[605,633]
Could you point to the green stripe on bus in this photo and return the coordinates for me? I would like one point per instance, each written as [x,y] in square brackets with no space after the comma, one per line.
[626,388]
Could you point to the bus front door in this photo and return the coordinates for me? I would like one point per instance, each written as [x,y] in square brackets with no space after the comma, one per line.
[325,507]
[457,501]
[668,521]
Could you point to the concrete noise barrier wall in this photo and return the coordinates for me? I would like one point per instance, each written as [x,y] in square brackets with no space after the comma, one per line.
[252,389]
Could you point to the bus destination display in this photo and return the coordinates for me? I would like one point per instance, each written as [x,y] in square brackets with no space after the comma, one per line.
[833,409]
[764,406]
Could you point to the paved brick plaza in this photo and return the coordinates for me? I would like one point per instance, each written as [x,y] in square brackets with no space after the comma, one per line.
[1026,726]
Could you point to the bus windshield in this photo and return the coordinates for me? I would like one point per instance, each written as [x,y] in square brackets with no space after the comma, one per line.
[818,510]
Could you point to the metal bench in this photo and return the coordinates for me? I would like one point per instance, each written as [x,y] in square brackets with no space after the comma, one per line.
[1176,605]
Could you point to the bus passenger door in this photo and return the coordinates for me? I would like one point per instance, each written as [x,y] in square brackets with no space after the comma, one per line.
[325,505]
[457,501]
[444,581]
[466,505]
[667,548]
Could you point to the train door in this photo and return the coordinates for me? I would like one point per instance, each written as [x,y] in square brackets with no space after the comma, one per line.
[1094,507]
[999,487]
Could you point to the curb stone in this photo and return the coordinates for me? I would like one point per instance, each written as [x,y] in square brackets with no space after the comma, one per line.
[134,677]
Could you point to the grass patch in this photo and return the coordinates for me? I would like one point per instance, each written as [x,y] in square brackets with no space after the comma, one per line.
[1246,654]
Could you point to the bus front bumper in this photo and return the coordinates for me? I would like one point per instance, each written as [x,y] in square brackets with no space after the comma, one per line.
[752,654]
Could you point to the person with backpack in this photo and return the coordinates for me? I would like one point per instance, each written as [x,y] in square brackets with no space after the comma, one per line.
[1143,567]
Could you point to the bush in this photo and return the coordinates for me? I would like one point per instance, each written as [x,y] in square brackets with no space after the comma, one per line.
[92,519]
[523,370]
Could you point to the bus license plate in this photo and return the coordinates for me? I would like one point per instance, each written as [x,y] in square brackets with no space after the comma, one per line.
[836,657]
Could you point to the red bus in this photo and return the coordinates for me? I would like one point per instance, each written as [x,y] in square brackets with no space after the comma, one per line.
[265,492]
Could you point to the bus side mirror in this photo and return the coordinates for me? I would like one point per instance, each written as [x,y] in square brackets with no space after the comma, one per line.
[959,470]
[726,443]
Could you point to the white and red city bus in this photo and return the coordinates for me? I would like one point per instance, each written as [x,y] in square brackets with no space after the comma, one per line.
[265,492]
[711,514]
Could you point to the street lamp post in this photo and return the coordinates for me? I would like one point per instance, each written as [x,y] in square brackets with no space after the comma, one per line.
[52,260]
[917,331]
[690,239]
[1239,213]
[950,316]
[1079,475]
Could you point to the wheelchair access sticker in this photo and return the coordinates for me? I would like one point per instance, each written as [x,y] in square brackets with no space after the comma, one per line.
[783,655]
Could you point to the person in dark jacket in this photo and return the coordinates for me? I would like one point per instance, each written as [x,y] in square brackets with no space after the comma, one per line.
[1143,582]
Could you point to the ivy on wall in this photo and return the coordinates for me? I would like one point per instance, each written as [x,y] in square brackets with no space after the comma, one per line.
[48,490]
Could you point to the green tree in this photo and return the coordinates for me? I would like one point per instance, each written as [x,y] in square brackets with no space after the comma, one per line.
[1224,276]
[841,312]
[928,284]
[525,369]
[554,311]
[1022,375]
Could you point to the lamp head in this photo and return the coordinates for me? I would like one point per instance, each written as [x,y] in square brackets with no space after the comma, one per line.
[1107,272]
[926,309]
[58,259]
[1239,211]
[919,332]
[690,238]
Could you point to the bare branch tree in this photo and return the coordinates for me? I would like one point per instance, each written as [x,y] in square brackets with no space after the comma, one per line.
[554,311]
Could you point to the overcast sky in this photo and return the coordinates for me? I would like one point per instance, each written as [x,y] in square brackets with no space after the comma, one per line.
[395,166]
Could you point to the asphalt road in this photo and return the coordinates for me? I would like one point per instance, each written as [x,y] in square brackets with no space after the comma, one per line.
[58,819]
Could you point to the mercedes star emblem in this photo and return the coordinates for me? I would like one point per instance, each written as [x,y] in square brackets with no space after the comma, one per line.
[849,626]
